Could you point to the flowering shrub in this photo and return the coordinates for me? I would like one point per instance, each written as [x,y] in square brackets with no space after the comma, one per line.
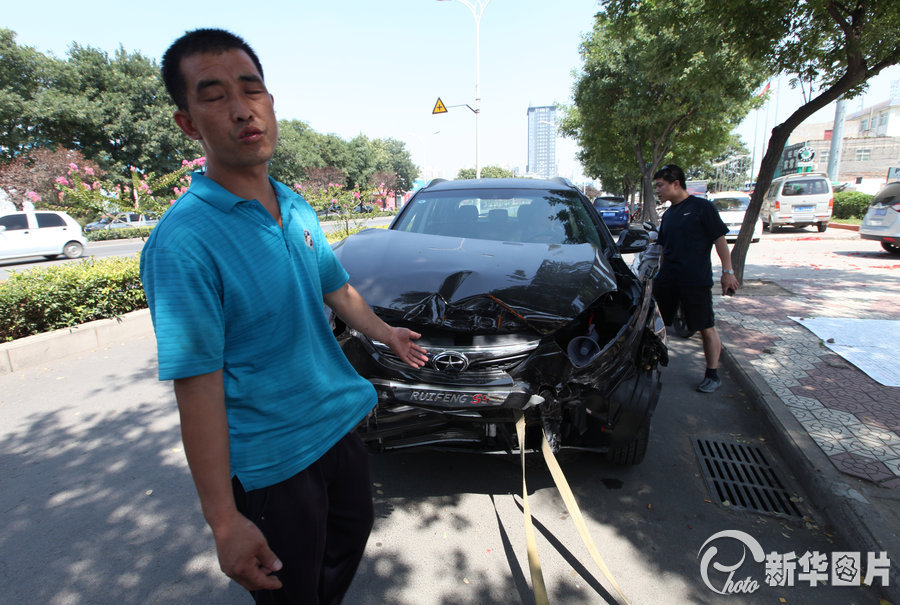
[148,193]
[335,199]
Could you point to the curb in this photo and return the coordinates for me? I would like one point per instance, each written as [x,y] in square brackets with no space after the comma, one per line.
[39,349]
[849,511]
[843,226]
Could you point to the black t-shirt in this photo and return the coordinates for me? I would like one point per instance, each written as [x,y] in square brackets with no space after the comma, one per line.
[687,233]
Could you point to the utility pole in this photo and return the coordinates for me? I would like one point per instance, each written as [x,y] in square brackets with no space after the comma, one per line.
[837,140]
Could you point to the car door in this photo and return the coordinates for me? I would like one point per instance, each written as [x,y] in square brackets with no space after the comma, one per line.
[16,236]
[52,233]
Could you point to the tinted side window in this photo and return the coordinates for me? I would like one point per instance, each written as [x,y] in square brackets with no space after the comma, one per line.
[47,219]
[14,222]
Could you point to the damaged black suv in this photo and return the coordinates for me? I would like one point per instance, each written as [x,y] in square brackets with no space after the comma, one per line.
[525,306]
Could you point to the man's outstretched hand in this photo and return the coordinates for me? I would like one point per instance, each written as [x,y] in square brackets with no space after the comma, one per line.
[402,343]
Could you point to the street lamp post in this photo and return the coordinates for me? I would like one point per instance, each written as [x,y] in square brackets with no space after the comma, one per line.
[477,8]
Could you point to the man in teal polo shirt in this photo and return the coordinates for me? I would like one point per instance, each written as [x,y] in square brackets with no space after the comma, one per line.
[235,275]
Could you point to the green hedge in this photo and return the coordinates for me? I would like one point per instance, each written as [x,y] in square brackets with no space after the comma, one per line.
[64,295]
[851,204]
[108,234]
[68,294]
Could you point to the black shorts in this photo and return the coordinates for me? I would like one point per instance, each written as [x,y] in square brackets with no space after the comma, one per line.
[696,305]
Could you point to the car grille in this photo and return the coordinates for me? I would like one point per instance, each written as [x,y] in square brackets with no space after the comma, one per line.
[485,363]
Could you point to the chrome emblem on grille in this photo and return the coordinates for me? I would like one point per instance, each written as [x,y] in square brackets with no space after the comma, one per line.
[450,361]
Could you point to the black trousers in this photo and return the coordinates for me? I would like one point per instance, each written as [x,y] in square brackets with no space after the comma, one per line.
[317,523]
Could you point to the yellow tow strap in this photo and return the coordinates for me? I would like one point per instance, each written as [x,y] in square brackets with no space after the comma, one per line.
[534,561]
[537,578]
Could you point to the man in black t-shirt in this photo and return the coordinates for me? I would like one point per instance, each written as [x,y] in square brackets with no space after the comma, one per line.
[688,231]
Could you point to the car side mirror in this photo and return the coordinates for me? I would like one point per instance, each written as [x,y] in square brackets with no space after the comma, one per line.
[633,239]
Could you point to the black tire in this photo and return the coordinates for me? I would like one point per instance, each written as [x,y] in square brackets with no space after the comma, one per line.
[633,452]
[73,250]
[771,226]
[679,326]
[821,227]
[889,247]
[50,256]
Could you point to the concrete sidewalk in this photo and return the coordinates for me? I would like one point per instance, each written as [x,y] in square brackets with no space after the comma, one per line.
[838,428]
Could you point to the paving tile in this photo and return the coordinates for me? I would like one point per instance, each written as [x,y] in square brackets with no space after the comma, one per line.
[862,467]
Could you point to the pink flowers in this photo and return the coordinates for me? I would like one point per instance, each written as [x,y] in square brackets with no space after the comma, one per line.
[33,196]
[89,171]
[61,180]
[73,167]
[95,185]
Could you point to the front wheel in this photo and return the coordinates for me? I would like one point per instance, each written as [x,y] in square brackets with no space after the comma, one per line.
[73,250]
[634,451]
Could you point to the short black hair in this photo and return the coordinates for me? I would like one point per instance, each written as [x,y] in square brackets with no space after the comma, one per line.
[194,42]
[671,173]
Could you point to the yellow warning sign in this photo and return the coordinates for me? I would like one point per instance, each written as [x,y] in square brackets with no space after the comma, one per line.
[439,107]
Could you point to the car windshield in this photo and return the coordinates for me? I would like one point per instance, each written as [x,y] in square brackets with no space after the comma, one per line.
[724,204]
[516,215]
[805,187]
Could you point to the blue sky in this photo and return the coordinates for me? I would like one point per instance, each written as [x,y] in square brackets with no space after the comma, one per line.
[375,67]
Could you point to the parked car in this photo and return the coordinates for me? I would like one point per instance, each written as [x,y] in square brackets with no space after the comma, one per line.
[732,206]
[40,233]
[798,200]
[613,210]
[525,306]
[122,220]
[882,220]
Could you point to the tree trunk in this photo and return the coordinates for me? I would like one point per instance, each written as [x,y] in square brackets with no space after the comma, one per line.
[777,141]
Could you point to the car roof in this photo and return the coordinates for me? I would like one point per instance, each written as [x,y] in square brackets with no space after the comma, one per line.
[461,184]
[801,175]
[10,212]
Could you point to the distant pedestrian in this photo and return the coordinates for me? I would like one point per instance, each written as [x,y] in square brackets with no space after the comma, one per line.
[689,229]
[235,275]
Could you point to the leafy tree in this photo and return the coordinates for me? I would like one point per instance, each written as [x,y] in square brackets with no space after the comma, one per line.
[833,47]
[659,83]
[335,151]
[322,178]
[361,165]
[392,157]
[115,111]
[22,72]
[296,153]
[487,172]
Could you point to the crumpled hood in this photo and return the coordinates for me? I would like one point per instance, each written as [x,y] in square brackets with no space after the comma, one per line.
[474,285]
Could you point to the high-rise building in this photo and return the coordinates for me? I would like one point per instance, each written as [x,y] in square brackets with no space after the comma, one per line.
[542,141]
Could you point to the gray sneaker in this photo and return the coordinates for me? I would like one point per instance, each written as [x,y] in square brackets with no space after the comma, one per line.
[709,385]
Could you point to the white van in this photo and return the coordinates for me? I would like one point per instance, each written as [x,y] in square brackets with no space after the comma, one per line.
[40,233]
[798,200]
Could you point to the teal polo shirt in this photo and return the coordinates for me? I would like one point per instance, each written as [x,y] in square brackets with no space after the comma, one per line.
[229,289]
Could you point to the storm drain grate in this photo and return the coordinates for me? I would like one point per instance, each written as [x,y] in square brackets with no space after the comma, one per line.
[742,476]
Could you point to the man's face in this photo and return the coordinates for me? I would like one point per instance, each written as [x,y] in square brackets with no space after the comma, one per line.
[229,110]
[665,191]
